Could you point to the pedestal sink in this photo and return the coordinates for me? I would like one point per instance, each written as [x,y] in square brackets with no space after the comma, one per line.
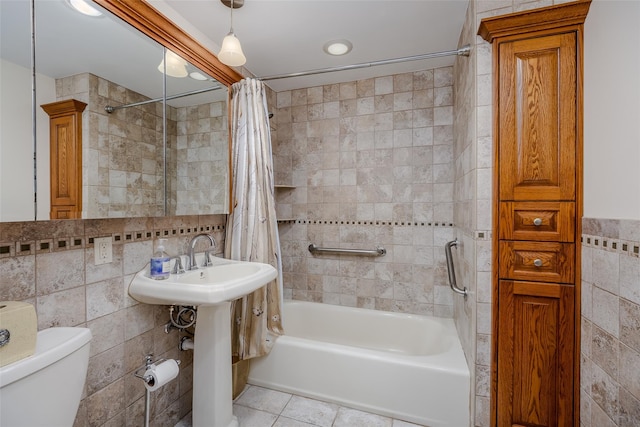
[211,289]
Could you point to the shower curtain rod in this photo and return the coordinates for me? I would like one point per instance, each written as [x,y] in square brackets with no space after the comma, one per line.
[110,109]
[463,51]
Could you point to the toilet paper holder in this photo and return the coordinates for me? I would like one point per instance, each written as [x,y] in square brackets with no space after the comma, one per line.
[139,373]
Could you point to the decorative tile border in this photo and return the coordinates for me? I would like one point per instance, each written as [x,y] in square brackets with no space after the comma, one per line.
[356,222]
[611,245]
[45,244]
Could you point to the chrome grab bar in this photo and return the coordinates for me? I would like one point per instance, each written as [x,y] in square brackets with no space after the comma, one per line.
[366,252]
[451,270]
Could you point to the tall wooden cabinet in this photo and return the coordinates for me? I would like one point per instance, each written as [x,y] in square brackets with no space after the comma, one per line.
[537,60]
[65,150]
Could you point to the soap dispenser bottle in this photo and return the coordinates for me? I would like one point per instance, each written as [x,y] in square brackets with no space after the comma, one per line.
[160,262]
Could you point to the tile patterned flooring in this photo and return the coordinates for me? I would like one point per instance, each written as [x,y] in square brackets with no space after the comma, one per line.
[262,407]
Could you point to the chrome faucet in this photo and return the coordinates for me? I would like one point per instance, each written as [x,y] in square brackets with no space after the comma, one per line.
[192,256]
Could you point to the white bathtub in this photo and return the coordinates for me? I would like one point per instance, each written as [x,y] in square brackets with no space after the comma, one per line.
[403,366]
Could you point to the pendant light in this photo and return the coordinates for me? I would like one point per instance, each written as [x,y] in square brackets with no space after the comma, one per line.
[176,66]
[231,51]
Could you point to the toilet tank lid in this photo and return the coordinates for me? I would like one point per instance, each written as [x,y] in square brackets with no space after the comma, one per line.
[52,345]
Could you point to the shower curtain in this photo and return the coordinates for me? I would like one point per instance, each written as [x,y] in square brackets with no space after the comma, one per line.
[252,233]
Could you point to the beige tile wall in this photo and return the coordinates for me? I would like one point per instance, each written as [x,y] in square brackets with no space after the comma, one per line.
[610,350]
[122,151]
[202,159]
[50,264]
[372,165]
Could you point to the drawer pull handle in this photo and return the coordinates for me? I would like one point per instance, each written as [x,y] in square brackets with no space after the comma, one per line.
[537,222]
[537,262]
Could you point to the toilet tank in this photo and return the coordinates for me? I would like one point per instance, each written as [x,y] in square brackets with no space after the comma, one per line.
[44,390]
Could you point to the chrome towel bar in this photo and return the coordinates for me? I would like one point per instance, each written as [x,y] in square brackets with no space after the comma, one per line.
[451,270]
[364,252]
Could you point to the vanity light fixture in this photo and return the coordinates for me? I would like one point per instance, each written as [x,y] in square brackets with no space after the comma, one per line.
[85,8]
[337,47]
[231,51]
[176,66]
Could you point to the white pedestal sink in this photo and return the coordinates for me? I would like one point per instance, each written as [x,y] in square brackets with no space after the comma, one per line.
[211,289]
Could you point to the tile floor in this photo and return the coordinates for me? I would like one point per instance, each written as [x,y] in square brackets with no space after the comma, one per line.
[262,407]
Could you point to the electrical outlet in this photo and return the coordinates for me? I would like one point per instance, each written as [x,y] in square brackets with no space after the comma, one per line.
[103,250]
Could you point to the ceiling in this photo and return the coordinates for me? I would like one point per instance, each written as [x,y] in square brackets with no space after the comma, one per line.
[285,36]
[278,37]
[69,43]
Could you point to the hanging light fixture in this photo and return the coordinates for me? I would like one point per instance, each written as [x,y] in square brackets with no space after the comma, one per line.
[231,51]
[176,66]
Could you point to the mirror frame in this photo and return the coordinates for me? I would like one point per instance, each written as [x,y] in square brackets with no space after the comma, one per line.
[146,19]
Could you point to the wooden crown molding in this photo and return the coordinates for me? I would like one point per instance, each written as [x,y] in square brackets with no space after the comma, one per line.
[146,19]
[67,106]
[528,21]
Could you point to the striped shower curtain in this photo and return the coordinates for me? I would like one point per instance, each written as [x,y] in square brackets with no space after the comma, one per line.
[251,233]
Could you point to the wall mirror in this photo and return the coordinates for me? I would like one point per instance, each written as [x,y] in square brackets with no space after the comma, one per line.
[144,157]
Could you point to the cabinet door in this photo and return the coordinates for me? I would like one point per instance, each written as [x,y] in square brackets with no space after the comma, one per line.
[537,118]
[535,354]
[66,167]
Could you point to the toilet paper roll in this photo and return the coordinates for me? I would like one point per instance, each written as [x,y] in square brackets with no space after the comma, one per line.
[161,374]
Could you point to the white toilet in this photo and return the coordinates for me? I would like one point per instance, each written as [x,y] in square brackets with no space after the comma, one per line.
[45,389]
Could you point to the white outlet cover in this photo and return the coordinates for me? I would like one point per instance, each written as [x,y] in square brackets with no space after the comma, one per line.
[102,250]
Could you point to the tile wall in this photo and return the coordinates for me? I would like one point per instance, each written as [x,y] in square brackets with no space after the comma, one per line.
[468,157]
[50,264]
[122,151]
[202,159]
[610,350]
[371,164]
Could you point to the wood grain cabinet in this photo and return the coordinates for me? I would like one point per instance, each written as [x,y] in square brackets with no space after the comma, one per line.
[537,66]
[65,150]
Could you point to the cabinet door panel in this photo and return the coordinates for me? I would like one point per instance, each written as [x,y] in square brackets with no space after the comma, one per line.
[535,367]
[65,178]
[538,118]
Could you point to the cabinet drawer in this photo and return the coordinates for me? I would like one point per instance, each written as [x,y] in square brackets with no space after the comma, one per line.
[537,261]
[540,221]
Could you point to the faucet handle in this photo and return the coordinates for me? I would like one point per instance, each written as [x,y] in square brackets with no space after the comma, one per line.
[177,267]
[207,257]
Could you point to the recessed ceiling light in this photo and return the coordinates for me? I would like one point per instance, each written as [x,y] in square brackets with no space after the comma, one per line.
[337,47]
[85,8]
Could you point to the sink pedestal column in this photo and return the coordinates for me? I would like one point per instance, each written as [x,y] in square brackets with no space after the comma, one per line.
[212,377]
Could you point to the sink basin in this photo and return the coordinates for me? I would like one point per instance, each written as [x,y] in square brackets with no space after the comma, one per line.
[225,280]
[211,289]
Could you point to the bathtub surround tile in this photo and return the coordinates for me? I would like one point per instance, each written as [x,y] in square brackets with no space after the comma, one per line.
[344,178]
